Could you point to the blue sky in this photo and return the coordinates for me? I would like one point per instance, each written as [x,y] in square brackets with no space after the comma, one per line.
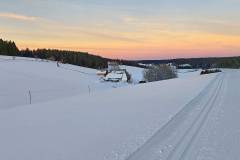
[116,28]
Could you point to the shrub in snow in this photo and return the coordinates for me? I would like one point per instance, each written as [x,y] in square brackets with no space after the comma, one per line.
[159,72]
[141,82]
[209,71]
[129,77]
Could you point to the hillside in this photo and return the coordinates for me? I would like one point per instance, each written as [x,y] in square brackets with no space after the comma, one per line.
[74,115]
[9,48]
[108,124]
[47,82]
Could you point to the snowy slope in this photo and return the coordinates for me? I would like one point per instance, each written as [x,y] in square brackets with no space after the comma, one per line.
[191,117]
[207,128]
[185,73]
[45,80]
[107,125]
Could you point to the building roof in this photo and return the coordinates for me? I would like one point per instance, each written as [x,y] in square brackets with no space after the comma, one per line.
[116,76]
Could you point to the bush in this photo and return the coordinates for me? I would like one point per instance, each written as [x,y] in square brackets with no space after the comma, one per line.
[159,72]
[141,82]
[209,71]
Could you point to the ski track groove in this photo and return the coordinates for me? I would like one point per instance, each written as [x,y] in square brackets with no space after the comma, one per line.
[195,126]
[191,134]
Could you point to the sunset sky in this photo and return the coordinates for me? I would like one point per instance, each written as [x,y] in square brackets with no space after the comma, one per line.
[131,29]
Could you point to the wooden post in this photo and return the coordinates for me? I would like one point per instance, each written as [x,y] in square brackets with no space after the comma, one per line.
[89,89]
[30,97]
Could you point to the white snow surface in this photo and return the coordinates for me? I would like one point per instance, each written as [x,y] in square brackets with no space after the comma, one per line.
[108,125]
[186,73]
[205,129]
[46,81]
[193,117]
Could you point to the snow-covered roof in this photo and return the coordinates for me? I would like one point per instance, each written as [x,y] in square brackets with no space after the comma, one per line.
[185,65]
[116,76]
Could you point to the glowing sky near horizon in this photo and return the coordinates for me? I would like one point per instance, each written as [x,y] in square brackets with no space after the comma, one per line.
[130,29]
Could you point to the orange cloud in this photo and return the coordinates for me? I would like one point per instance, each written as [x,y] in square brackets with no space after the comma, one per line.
[137,39]
[17,17]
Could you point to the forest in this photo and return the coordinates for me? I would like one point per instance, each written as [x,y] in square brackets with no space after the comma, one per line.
[85,59]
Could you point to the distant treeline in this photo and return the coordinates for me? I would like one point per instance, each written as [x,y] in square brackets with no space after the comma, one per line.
[69,57]
[217,62]
[9,48]
[76,58]
[130,63]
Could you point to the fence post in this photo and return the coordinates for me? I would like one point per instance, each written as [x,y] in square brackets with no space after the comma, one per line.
[30,97]
[89,89]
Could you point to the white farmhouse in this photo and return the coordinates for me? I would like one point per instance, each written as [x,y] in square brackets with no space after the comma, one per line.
[114,73]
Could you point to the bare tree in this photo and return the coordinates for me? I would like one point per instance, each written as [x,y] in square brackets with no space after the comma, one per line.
[129,77]
[159,72]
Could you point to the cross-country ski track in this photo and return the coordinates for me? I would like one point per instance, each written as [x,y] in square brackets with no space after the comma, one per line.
[196,132]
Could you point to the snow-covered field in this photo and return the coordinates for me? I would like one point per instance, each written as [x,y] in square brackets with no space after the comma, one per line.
[186,73]
[183,118]
[46,81]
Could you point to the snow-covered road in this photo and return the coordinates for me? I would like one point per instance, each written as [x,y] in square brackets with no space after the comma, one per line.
[206,128]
